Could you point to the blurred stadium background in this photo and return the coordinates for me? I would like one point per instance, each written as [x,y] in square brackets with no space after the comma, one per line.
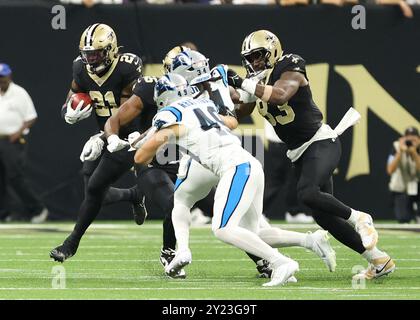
[376,70]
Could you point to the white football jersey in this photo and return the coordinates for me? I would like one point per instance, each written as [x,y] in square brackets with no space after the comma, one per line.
[206,138]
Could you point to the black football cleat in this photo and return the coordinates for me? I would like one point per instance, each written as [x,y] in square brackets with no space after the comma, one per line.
[166,256]
[139,211]
[65,251]
[264,270]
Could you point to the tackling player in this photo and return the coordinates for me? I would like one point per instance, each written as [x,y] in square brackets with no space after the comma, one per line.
[284,98]
[107,76]
[198,128]
[194,181]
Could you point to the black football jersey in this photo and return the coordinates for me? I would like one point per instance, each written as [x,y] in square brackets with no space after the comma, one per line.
[106,89]
[298,120]
[144,89]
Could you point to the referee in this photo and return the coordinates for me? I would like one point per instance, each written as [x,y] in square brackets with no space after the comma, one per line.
[17,115]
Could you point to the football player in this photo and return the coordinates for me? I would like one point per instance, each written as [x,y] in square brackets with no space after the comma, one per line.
[284,98]
[198,128]
[195,181]
[155,181]
[108,77]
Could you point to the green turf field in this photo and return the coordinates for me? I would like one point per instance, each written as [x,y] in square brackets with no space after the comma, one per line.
[120,261]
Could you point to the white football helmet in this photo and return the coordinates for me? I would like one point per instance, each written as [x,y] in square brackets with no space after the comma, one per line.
[170,88]
[192,65]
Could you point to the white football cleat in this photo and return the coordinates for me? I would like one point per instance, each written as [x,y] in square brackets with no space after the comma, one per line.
[198,218]
[323,249]
[40,217]
[182,259]
[298,218]
[282,273]
[292,279]
[364,226]
[378,268]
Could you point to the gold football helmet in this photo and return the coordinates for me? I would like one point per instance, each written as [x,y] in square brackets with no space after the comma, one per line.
[258,45]
[98,47]
[170,56]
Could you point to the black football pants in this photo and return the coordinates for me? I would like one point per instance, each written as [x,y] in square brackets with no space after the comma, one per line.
[109,167]
[157,184]
[314,170]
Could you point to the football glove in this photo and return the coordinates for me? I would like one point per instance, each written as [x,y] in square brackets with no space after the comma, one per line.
[115,143]
[92,148]
[234,80]
[74,115]
[136,140]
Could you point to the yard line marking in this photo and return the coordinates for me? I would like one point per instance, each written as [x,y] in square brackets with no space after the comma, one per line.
[281,288]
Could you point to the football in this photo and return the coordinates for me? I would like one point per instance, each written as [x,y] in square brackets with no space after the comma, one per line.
[77,97]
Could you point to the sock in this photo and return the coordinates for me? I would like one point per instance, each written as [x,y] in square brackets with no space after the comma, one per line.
[341,230]
[181,219]
[277,238]
[373,254]
[354,216]
[257,260]
[169,239]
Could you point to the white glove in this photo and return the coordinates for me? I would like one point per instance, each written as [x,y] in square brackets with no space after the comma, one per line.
[115,143]
[132,137]
[220,93]
[92,148]
[73,116]
[137,140]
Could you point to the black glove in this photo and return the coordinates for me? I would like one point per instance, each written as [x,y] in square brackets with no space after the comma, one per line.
[234,79]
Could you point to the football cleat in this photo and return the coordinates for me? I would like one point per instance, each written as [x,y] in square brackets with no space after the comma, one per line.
[181,259]
[65,251]
[166,256]
[264,269]
[378,268]
[323,249]
[139,211]
[282,273]
[364,226]
[292,279]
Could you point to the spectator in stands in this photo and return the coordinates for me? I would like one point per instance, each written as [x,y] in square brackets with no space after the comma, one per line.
[17,115]
[91,3]
[404,169]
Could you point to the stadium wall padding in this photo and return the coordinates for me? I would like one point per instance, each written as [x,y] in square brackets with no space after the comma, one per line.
[375,70]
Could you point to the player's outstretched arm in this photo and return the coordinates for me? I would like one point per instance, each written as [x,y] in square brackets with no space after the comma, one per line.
[148,150]
[242,108]
[129,110]
[230,122]
[278,94]
[283,89]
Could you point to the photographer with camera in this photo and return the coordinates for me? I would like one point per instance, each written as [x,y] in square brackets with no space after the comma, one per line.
[404,169]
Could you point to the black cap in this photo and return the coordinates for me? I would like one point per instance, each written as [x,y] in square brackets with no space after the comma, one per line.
[411,131]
